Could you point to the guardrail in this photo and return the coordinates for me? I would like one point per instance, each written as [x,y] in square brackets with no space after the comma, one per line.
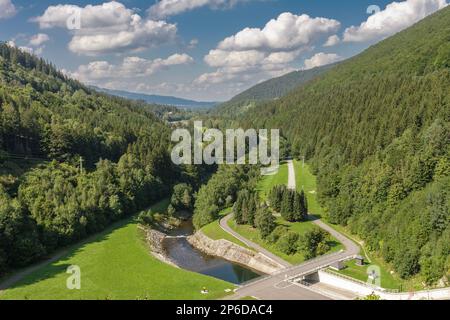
[286,271]
[343,276]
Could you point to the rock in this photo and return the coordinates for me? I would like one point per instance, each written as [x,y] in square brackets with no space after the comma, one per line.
[234,253]
[155,240]
[443,282]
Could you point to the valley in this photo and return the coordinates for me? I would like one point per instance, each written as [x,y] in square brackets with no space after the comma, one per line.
[97,203]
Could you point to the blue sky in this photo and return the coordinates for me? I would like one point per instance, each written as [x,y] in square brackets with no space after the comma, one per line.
[200,49]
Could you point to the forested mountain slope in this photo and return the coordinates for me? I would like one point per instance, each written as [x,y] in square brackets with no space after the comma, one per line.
[376,128]
[160,100]
[48,198]
[267,91]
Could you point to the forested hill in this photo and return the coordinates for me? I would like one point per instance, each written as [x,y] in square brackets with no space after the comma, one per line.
[160,100]
[48,197]
[376,128]
[267,91]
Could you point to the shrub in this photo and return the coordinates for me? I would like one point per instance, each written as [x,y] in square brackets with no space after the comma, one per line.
[287,243]
[277,233]
[146,218]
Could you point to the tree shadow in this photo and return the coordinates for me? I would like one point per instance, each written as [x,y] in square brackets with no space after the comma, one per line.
[46,270]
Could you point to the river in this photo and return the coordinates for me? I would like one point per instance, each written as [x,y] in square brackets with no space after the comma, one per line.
[187,257]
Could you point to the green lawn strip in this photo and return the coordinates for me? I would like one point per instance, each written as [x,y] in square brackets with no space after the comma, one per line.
[307,181]
[117,264]
[360,273]
[215,232]
[266,183]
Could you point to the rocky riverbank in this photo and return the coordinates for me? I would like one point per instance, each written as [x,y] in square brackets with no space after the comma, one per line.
[154,239]
[234,253]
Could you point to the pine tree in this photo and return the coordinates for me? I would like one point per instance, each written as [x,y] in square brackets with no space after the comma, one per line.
[297,207]
[285,206]
[265,222]
[238,210]
[303,206]
[251,210]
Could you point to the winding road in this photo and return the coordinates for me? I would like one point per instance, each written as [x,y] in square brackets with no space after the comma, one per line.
[280,286]
[224,225]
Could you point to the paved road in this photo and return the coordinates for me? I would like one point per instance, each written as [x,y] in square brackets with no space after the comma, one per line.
[280,285]
[292,184]
[224,225]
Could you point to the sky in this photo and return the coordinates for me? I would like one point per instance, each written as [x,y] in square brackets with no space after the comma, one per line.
[206,50]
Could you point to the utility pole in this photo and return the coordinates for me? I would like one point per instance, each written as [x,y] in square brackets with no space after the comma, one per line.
[81,165]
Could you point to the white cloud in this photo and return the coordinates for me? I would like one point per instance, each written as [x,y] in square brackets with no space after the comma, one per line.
[38,39]
[396,17]
[332,41]
[165,8]
[7,9]
[131,67]
[321,59]
[109,27]
[287,32]
[254,54]
[27,49]
[193,43]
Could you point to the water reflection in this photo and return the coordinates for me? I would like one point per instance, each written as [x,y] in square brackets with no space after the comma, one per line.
[187,257]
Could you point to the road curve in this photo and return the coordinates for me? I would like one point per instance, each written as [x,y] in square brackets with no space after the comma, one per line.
[224,225]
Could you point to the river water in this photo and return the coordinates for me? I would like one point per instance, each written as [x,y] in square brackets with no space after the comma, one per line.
[187,257]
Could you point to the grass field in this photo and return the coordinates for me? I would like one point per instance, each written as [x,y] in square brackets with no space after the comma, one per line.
[307,181]
[116,264]
[360,273]
[266,183]
[215,232]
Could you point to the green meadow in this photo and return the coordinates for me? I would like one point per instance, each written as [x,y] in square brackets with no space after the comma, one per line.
[116,264]
[266,183]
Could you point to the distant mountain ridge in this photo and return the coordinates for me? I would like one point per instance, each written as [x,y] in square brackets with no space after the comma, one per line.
[269,90]
[160,100]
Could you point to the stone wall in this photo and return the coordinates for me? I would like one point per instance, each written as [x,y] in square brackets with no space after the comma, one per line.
[234,253]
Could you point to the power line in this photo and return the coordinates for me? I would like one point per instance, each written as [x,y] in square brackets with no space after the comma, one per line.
[21,157]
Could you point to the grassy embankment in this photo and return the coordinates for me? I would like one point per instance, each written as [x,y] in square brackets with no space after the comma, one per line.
[116,264]
[215,232]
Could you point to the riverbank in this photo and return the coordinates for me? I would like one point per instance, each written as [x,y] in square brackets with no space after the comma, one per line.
[155,240]
[234,253]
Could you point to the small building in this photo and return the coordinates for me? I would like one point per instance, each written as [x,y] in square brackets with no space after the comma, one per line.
[359,260]
[338,266]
